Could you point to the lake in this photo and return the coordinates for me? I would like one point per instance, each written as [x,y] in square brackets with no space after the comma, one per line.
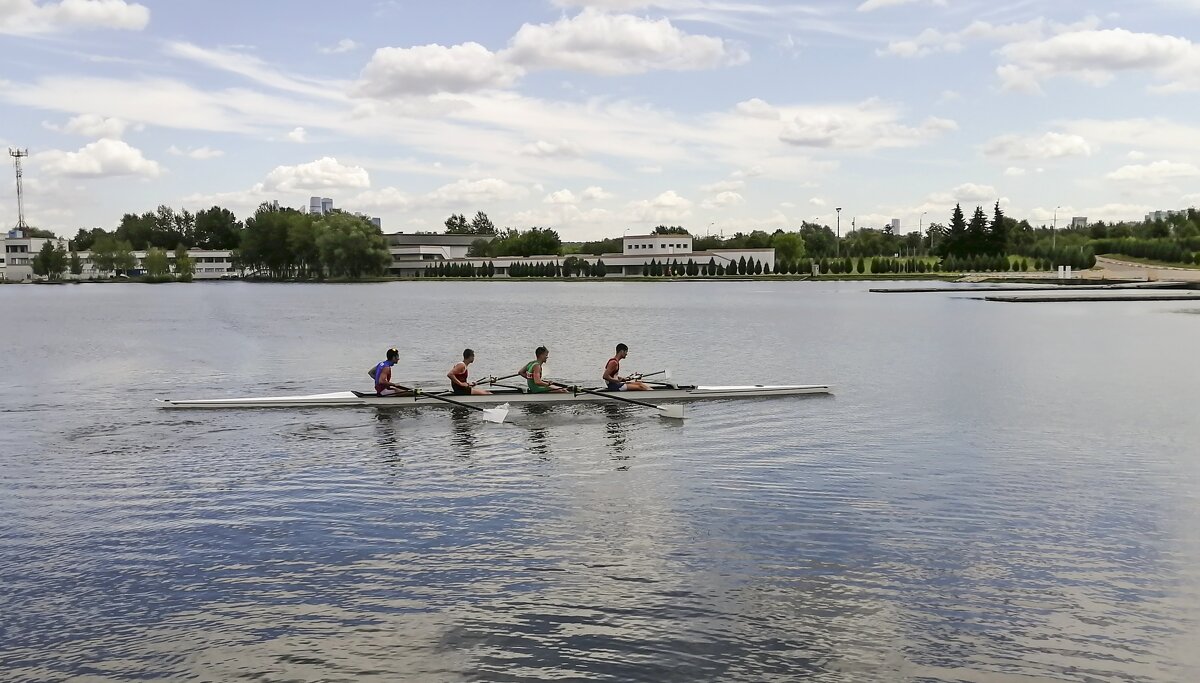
[994,492]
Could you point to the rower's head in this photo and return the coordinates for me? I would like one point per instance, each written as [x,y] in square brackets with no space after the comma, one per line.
[622,350]
[468,356]
[542,353]
[393,355]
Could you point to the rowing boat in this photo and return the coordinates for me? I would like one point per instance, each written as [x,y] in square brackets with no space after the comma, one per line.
[354,398]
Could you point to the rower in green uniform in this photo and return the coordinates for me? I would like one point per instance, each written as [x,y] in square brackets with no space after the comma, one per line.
[532,372]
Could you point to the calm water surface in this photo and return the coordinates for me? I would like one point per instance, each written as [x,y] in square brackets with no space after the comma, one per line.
[995,492]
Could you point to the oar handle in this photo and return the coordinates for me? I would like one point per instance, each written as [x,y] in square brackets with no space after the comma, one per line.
[605,394]
[418,394]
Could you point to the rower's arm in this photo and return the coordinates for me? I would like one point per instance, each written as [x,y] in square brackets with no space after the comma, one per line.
[537,376]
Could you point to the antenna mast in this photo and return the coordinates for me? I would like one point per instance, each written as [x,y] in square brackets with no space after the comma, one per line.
[17,155]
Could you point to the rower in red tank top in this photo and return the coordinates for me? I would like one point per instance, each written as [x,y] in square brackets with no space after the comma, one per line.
[458,377]
[614,380]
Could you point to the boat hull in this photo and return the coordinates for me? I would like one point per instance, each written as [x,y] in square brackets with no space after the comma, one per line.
[350,398]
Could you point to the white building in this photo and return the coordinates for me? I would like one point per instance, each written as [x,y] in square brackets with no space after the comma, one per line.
[19,251]
[895,225]
[1163,215]
[1078,222]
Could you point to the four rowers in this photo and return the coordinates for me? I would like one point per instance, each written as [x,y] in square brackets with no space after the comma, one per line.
[381,374]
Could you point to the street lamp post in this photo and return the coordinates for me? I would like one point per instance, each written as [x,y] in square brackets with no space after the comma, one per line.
[837,246]
[921,229]
[1054,230]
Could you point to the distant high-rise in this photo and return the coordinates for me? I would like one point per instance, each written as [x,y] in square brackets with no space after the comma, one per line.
[895,225]
[320,205]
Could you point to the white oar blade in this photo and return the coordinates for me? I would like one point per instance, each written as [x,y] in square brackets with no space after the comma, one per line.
[673,412]
[496,415]
[667,375]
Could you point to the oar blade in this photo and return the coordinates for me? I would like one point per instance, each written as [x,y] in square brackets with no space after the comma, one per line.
[671,412]
[496,415]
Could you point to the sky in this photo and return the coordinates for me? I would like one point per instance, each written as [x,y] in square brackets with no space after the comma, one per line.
[603,118]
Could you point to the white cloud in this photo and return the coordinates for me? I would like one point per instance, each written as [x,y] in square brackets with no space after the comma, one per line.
[870,125]
[94,126]
[931,41]
[561,197]
[1096,56]
[650,169]
[872,5]
[1157,133]
[429,69]
[1014,171]
[967,192]
[614,44]
[560,148]
[596,193]
[343,45]
[1135,155]
[322,174]
[752,172]
[476,193]
[1155,172]
[297,134]
[384,198]
[758,109]
[562,216]
[817,201]
[1047,146]
[723,186]
[25,17]
[667,207]
[255,69]
[723,200]
[199,153]
[102,158]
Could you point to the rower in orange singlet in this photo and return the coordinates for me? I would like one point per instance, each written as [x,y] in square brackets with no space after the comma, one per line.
[614,380]
[458,377]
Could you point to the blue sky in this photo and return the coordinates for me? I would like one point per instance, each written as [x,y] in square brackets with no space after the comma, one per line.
[599,117]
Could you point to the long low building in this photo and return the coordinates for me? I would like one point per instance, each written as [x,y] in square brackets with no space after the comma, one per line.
[414,254]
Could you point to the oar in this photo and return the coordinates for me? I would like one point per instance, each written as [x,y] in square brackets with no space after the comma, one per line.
[496,414]
[668,383]
[493,380]
[675,412]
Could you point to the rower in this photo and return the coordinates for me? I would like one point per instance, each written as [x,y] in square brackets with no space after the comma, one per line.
[458,377]
[532,372]
[382,375]
[612,376]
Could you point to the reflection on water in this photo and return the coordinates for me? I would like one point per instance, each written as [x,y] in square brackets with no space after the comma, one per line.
[993,494]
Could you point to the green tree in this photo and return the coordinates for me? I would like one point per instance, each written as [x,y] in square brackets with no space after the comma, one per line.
[303,234]
[184,267]
[76,264]
[457,224]
[217,228]
[156,264]
[351,246]
[265,246]
[955,240]
[977,233]
[482,225]
[789,246]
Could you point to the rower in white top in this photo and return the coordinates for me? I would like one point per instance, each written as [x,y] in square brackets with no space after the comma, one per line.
[612,374]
